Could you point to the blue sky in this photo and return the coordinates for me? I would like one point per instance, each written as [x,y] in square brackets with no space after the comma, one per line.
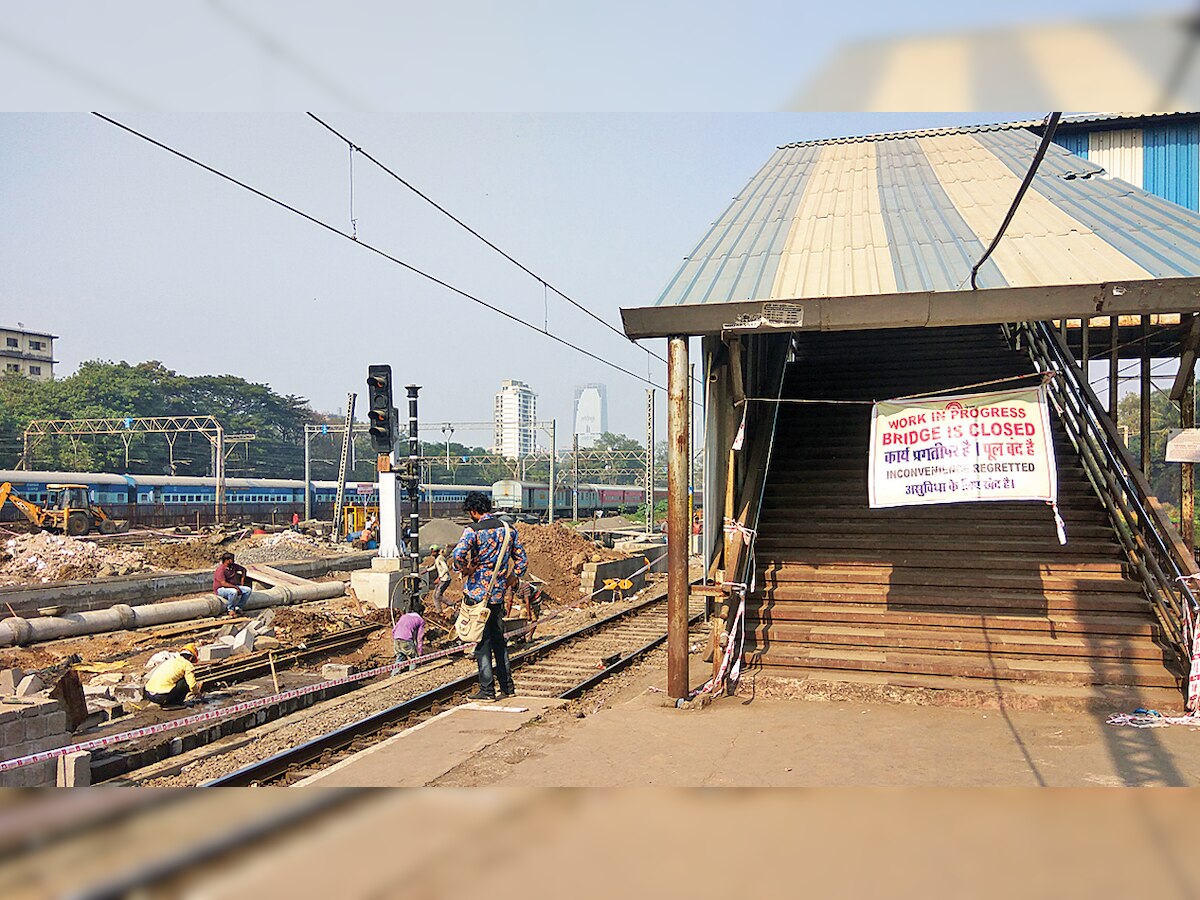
[131,254]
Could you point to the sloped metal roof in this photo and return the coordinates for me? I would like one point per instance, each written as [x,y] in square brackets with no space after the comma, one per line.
[889,215]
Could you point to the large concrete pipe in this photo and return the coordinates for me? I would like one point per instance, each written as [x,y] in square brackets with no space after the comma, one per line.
[19,632]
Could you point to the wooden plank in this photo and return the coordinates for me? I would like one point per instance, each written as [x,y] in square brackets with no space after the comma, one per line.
[272,576]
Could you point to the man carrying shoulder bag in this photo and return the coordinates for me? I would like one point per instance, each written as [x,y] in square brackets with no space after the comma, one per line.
[488,555]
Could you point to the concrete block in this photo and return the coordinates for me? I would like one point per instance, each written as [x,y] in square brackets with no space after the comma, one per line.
[98,691]
[29,686]
[9,712]
[267,642]
[375,588]
[594,575]
[330,671]
[226,639]
[38,707]
[213,652]
[56,722]
[227,630]
[11,734]
[386,564]
[106,710]
[35,728]
[75,769]
[9,679]
[107,678]
[243,642]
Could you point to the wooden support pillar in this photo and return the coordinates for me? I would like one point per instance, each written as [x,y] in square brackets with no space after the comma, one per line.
[1144,428]
[1114,368]
[1187,493]
[678,526]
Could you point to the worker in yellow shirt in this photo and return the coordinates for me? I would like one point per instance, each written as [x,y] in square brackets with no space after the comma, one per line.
[171,680]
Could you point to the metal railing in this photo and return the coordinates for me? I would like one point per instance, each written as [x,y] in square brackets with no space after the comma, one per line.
[1154,548]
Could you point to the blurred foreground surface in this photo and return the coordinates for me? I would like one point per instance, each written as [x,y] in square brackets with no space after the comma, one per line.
[527,843]
[668,55]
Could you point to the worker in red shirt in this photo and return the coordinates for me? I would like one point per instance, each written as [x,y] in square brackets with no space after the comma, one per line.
[229,583]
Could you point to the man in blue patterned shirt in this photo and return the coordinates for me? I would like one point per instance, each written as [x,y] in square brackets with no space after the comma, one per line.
[490,557]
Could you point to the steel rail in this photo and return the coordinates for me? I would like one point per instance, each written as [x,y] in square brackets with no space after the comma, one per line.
[275,766]
[241,669]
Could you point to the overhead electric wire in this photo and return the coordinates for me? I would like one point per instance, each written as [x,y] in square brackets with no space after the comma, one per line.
[1051,125]
[409,266]
[524,268]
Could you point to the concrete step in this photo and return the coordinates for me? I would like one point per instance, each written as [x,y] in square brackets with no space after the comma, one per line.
[991,562]
[944,640]
[968,665]
[780,543]
[1139,624]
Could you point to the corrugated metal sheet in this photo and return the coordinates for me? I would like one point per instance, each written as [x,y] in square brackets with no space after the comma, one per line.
[1076,143]
[1119,152]
[912,212]
[1172,163]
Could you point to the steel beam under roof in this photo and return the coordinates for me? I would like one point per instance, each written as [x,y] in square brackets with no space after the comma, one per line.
[911,309]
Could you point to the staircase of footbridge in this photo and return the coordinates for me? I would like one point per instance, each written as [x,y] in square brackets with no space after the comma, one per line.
[976,594]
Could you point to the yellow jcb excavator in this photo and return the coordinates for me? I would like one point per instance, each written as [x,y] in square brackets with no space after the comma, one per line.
[70,511]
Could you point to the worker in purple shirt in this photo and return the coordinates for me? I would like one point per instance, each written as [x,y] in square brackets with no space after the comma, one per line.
[408,635]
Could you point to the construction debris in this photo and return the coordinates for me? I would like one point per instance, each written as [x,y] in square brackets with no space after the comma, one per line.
[45,557]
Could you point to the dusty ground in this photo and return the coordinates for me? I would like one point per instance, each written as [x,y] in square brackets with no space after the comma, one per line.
[627,736]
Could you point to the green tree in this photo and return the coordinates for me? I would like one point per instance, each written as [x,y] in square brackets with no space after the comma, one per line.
[1164,415]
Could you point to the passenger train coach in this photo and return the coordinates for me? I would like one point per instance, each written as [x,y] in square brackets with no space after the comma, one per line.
[162,500]
[526,497]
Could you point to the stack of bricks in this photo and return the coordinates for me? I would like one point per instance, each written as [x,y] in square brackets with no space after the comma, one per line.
[32,726]
[30,722]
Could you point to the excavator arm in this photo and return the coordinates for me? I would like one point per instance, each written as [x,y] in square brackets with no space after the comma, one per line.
[30,510]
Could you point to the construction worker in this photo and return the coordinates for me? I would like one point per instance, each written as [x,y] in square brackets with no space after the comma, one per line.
[229,583]
[408,637]
[439,566]
[171,680]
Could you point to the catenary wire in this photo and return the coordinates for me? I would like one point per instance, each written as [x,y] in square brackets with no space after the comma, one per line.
[409,266]
[1051,125]
[532,274]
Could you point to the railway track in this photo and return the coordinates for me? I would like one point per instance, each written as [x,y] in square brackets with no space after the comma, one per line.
[564,667]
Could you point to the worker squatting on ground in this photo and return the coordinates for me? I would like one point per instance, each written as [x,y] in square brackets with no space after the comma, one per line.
[438,565]
[408,636]
[171,680]
[489,555]
[229,583]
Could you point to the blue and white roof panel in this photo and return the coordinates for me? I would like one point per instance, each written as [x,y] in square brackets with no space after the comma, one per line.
[905,212]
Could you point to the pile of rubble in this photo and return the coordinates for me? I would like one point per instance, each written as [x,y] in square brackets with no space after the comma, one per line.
[267,548]
[235,640]
[48,557]
[557,555]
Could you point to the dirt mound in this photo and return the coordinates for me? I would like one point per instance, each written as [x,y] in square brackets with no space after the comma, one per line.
[557,555]
[48,557]
[200,552]
[445,532]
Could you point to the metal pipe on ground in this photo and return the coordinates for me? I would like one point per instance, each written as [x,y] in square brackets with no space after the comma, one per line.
[20,632]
